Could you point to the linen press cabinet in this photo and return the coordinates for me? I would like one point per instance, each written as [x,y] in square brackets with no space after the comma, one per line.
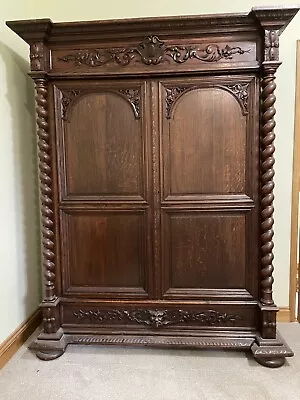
[156,153]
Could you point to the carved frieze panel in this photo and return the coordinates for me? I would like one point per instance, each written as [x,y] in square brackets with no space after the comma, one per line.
[152,51]
[158,318]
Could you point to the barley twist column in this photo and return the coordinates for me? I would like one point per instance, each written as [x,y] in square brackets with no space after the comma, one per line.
[267,183]
[46,194]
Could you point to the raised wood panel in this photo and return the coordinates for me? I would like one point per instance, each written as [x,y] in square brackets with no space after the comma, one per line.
[204,143]
[200,251]
[103,148]
[105,253]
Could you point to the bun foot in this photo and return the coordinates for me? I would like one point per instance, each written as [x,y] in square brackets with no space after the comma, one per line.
[48,355]
[271,362]
[271,353]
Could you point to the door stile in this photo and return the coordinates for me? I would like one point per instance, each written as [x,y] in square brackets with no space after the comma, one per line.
[155,195]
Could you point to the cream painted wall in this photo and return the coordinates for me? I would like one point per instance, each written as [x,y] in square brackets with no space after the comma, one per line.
[18,231]
[19,235]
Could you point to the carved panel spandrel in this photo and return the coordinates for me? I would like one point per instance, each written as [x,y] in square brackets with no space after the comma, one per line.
[158,318]
[152,51]
[172,94]
[239,90]
[134,98]
[67,97]
[132,95]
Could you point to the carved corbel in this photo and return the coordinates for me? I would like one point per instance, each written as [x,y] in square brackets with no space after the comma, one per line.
[271,45]
[39,57]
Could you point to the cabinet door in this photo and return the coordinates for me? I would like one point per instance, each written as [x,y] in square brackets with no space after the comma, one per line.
[209,187]
[102,141]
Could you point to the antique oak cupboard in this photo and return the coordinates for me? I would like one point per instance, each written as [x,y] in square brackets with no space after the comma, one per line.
[156,158]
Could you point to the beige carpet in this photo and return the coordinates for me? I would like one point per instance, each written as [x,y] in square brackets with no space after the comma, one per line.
[115,373]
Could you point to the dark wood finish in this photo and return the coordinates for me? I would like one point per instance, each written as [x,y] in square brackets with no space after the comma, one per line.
[198,247]
[156,179]
[211,155]
[106,163]
[106,252]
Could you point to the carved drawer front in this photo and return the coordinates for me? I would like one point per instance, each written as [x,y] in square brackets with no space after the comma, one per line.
[161,317]
[104,253]
[102,141]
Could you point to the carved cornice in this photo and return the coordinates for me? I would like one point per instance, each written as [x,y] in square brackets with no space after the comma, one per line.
[276,18]
[151,51]
[273,21]
[158,318]
[185,26]
[133,96]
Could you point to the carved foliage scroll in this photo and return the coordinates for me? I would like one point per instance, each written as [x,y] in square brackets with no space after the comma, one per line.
[158,318]
[151,51]
[133,96]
